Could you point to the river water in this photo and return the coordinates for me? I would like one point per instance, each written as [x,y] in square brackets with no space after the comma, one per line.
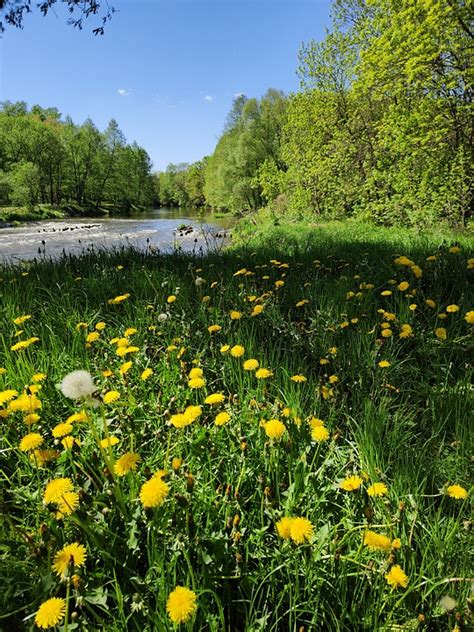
[155,230]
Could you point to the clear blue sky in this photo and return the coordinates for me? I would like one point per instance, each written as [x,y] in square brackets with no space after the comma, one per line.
[167,70]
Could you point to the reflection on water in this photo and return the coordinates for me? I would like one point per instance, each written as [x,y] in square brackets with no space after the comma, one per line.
[161,230]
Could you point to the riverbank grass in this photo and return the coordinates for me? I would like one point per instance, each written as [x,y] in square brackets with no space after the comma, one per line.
[272,438]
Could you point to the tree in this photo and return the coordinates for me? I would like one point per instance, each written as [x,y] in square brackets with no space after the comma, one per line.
[15,10]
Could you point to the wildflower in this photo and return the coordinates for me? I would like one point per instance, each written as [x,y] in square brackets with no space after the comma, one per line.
[146,374]
[452,309]
[92,336]
[118,299]
[430,303]
[123,351]
[214,328]
[30,441]
[412,307]
[406,331]
[125,367]
[275,429]
[351,483]
[301,530]
[386,333]
[224,348]
[195,372]
[50,613]
[469,317]
[457,492]
[162,318]
[283,527]
[31,419]
[38,377]
[71,555]
[171,299]
[23,344]
[25,403]
[257,309]
[384,364]
[396,577]
[319,433]
[130,331]
[110,397]
[67,504]
[237,351]
[333,379]
[193,412]
[440,333]
[176,463]
[262,374]
[198,281]
[77,385]
[404,285]
[377,489]
[100,326]
[68,442]
[80,326]
[403,261]
[251,364]
[377,541]
[454,250]
[19,320]
[298,378]
[61,430]
[197,382]
[386,293]
[56,489]
[181,604]
[180,420]
[417,271]
[153,492]
[126,463]
[235,315]
[108,442]
[222,418]
[80,416]
[6,396]
[215,398]
[279,283]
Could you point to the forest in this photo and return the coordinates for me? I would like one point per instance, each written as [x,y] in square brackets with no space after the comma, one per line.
[382,128]
[45,160]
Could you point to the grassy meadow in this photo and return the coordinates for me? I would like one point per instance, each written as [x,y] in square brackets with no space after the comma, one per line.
[272,438]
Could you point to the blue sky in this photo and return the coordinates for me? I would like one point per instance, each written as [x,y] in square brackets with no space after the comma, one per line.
[167,70]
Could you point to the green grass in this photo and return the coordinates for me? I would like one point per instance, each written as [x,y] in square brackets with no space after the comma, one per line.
[406,426]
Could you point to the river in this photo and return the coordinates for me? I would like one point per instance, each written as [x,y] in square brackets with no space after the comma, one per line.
[155,230]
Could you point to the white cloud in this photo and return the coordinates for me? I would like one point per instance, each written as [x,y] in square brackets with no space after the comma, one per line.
[124,92]
[208,98]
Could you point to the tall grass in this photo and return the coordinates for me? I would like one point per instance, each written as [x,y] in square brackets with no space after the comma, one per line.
[406,425]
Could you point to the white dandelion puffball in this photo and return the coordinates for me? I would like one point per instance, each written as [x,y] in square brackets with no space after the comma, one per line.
[162,318]
[77,385]
[199,281]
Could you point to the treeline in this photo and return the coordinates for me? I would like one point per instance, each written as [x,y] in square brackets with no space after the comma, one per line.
[47,160]
[382,128]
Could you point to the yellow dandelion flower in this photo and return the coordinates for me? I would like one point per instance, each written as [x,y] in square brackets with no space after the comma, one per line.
[100,326]
[212,329]
[452,309]
[457,492]
[377,541]
[301,530]
[237,351]
[6,396]
[67,505]
[430,303]
[30,441]
[153,492]
[61,430]
[30,419]
[440,333]
[251,364]
[176,463]
[50,613]
[257,309]
[235,315]
[125,368]
[386,333]
[195,372]
[283,527]
[193,412]
[377,489]
[70,556]
[417,271]
[396,544]
[197,382]
[397,577]
[19,320]
[56,489]
[181,604]
[384,364]
[404,285]
[454,250]
[118,299]
[469,317]
[126,463]
[215,398]
[79,417]
[92,336]
[262,374]
[222,418]
[298,378]
[351,483]
[224,348]
[319,433]
[171,299]
[386,293]
[38,377]
[108,442]
[69,441]
[146,374]
[130,331]
[275,429]
[111,396]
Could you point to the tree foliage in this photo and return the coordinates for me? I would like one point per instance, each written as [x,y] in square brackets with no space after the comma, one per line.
[44,159]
